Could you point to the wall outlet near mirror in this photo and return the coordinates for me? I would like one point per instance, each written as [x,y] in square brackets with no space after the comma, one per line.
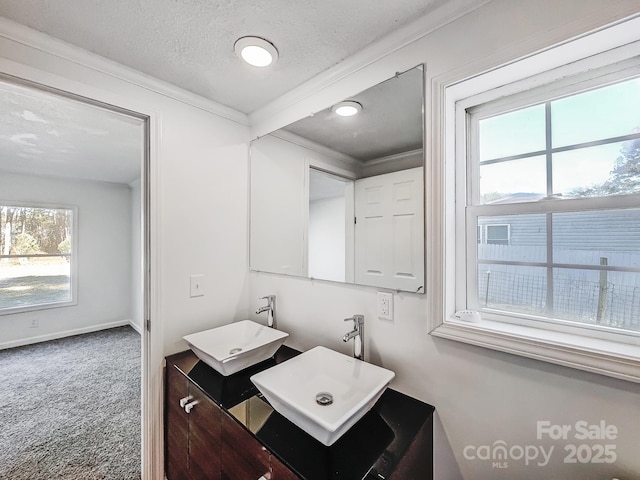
[385,305]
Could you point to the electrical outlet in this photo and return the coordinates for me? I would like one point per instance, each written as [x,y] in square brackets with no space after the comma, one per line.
[385,305]
[35,322]
[197,286]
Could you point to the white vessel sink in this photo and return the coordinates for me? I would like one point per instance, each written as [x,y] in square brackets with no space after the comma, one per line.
[236,346]
[298,387]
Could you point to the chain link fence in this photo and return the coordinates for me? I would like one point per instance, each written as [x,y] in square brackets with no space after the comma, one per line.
[589,302]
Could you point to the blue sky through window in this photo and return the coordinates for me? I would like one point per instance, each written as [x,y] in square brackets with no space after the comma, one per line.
[594,115]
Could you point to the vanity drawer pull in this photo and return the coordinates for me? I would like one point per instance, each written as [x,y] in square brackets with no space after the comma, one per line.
[189,406]
[185,400]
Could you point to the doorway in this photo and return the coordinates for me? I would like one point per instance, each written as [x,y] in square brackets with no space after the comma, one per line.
[64,153]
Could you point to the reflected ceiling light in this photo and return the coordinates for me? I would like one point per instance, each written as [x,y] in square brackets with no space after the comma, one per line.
[256,51]
[347,108]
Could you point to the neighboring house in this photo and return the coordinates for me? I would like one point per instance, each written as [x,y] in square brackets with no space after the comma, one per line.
[512,260]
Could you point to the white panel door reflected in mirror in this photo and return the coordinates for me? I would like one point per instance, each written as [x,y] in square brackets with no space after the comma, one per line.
[389,230]
[304,179]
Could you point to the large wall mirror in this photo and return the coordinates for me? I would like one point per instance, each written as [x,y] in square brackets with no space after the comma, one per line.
[341,198]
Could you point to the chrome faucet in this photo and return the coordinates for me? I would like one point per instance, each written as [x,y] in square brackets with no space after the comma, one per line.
[357,334]
[270,308]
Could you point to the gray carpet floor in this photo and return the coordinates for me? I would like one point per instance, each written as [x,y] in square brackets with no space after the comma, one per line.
[70,408]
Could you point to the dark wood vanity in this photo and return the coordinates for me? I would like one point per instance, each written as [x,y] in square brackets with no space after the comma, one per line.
[219,427]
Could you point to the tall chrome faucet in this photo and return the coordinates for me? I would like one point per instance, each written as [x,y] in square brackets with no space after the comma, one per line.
[357,334]
[270,308]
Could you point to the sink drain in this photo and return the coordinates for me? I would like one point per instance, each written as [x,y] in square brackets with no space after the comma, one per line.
[234,350]
[324,398]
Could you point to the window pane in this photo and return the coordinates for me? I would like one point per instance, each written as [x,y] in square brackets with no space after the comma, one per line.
[527,238]
[513,133]
[607,112]
[512,288]
[498,234]
[513,181]
[584,238]
[34,281]
[610,299]
[611,169]
[35,256]
[591,297]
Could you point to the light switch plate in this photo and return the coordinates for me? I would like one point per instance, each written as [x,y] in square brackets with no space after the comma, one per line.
[385,305]
[197,286]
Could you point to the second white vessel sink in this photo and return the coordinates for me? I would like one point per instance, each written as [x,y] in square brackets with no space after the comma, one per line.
[236,346]
[323,391]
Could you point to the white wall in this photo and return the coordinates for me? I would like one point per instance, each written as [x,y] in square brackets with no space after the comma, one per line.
[200,226]
[199,194]
[481,396]
[278,207]
[137,291]
[279,210]
[199,185]
[203,223]
[103,257]
[327,239]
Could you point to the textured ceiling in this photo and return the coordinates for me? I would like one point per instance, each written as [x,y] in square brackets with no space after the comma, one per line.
[190,42]
[390,121]
[47,135]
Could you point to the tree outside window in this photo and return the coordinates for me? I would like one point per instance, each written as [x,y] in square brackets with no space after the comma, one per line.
[36,252]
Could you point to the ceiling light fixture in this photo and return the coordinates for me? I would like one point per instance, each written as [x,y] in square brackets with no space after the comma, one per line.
[256,51]
[347,108]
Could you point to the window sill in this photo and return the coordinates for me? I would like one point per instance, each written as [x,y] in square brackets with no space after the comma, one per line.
[36,307]
[590,354]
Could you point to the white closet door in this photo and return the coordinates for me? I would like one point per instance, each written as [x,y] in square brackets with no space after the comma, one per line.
[389,230]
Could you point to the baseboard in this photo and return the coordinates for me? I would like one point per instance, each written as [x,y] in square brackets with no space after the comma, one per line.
[67,333]
[135,326]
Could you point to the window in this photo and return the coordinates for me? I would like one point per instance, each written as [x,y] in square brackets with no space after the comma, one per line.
[37,257]
[495,234]
[563,171]
[542,203]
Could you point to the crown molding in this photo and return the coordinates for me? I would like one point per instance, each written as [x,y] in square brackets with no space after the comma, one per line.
[343,160]
[395,156]
[31,38]
[444,14]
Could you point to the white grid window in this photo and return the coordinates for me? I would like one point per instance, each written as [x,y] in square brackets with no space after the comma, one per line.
[564,172]
[37,256]
[548,146]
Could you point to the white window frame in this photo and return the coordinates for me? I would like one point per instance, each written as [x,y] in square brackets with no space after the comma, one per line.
[73,259]
[609,353]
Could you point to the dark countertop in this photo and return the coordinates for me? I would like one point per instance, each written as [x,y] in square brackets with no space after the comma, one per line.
[394,440]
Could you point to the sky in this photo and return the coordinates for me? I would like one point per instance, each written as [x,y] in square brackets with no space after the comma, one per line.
[592,115]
